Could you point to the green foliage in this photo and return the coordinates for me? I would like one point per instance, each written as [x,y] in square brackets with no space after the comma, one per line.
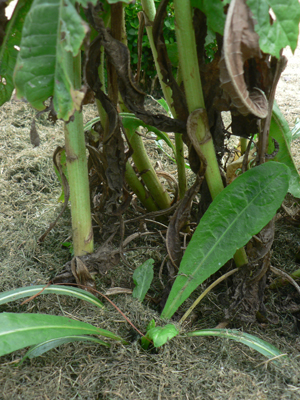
[42,348]
[280,131]
[21,330]
[42,68]
[9,52]
[251,341]
[145,341]
[283,31]
[296,130]
[160,335]
[45,332]
[240,211]
[20,293]
[142,278]
[214,11]
[132,26]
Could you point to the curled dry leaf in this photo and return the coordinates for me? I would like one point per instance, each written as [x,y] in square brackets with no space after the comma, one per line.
[82,274]
[240,45]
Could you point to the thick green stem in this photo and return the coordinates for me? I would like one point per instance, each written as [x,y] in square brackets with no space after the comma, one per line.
[139,189]
[149,176]
[150,11]
[194,95]
[78,173]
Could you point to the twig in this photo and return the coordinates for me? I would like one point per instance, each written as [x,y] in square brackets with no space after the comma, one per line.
[215,283]
[286,276]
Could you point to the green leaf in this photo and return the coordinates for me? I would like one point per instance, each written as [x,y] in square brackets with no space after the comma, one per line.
[130,122]
[164,104]
[145,340]
[161,335]
[254,342]
[42,348]
[240,211]
[172,50]
[142,278]
[51,29]
[20,293]
[296,130]
[21,330]
[214,11]
[9,52]
[280,131]
[283,31]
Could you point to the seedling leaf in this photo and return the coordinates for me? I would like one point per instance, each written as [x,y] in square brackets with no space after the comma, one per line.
[142,278]
[161,335]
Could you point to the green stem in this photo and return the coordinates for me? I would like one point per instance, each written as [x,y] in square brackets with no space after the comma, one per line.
[150,11]
[139,189]
[194,95]
[78,172]
[149,176]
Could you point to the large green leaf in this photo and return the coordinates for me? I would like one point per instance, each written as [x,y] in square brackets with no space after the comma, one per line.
[9,52]
[142,278]
[254,342]
[284,30]
[21,330]
[42,348]
[20,293]
[51,30]
[280,131]
[214,11]
[240,211]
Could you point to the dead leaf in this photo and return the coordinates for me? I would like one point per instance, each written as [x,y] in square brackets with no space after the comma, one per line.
[241,43]
[34,136]
[82,275]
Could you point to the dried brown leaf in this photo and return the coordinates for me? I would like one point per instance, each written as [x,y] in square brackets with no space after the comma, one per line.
[241,44]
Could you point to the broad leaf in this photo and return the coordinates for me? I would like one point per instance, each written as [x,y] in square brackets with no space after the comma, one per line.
[53,32]
[283,31]
[42,348]
[280,131]
[240,211]
[21,330]
[254,342]
[20,293]
[161,335]
[214,11]
[142,278]
[9,52]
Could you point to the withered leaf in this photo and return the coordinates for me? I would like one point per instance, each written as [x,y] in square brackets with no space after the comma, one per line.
[241,43]
[82,275]
[34,136]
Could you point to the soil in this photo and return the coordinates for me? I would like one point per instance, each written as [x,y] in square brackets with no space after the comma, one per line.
[184,368]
